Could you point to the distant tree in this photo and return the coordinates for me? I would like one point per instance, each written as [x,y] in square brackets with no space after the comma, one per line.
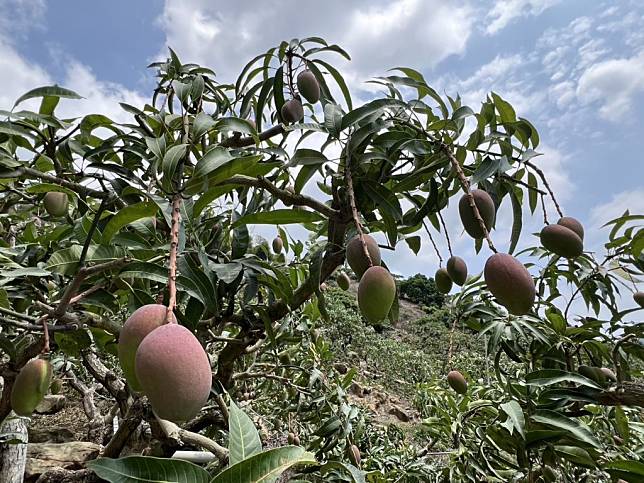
[421,290]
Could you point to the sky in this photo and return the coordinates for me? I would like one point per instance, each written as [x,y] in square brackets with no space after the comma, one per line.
[575,68]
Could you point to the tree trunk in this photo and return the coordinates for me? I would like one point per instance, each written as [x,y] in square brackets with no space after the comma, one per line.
[13,457]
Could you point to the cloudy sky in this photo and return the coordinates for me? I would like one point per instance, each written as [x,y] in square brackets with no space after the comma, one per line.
[575,68]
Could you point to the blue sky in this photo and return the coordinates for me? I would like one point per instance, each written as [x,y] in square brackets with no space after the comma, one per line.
[575,68]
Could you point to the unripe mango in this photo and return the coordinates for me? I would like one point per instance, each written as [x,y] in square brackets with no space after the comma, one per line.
[30,386]
[510,283]
[457,382]
[343,281]
[356,257]
[142,321]
[353,453]
[292,111]
[457,270]
[308,86]
[561,241]
[56,203]
[376,293]
[443,282]
[278,245]
[174,372]
[486,208]
[638,297]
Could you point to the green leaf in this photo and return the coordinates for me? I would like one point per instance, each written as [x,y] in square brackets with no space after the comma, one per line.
[575,428]
[243,438]
[575,455]
[339,80]
[202,124]
[629,470]
[127,215]
[48,91]
[213,159]
[506,111]
[515,415]
[266,466]
[138,469]
[307,157]
[279,217]
[546,377]
[357,476]
[517,220]
[171,159]
[209,196]
[333,118]
[47,187]
[65,261]
[372,107]
[621,423]
[156,146]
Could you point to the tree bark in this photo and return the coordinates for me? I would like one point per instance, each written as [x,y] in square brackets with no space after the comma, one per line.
[13,457]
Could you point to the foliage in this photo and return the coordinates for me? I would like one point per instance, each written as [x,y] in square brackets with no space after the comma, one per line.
[159,212]
[421,290]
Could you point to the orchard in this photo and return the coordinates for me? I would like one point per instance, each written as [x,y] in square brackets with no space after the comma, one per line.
[130,276]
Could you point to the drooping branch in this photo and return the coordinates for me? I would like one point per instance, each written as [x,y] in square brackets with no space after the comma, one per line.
[283,195]
[180,435]
[466,187]
[77,187]
[82,274]
[431,239]
[449,245]
[545,183]
[128,425]
[241,142]
[354,210]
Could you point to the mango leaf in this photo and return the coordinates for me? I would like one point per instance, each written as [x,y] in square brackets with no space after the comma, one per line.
[65,261]
[575,454]
[47,187]
[171,159]
[517,223]
[48,91]
[546,377]
[307,157]
[515,416]
[356,475]
[621,423]
[156,146]
[575,428]
[202,124]
[629,470]
[372,107]
[279,217]
[212,160]
[243,438]
[266,466]
[127,215]
[138,469]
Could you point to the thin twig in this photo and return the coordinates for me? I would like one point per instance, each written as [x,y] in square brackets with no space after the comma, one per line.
[449,245]
[45,333]
[470,198]
[545,213]
[545,183]
[241,142]
[431,239]
[354,210]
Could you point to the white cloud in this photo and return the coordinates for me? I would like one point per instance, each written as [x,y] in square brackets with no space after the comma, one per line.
[614,84]
[493,71]
[632,200]
[223,36]
[18,75]
[505,11]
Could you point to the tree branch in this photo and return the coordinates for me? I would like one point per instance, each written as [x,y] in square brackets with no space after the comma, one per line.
[174,432]
[354,210]
[466,187]
[174,245]
[241,142]
[545,183]
[285,196]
